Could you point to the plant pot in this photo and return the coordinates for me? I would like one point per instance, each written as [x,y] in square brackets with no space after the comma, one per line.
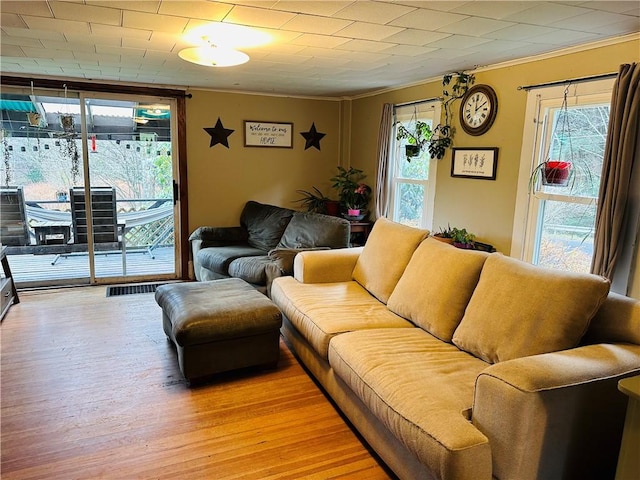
[34,119]
[66,122]
[353,212]
[412,150]
[465,246]
[332,207]
[556,173]
[444,239]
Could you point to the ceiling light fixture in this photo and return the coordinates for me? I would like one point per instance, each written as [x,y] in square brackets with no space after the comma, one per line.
[216,44]
[213,56]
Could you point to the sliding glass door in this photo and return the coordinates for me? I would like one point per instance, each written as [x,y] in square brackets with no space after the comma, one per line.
[96,178]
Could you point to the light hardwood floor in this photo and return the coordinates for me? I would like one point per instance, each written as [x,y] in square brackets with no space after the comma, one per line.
[91,389]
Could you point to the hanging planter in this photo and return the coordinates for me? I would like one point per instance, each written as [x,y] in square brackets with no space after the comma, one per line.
[412,151]
[66,122]
[416,138]
[35,119]
[556,173]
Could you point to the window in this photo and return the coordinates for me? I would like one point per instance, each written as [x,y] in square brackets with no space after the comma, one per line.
[554,223]
[413,178]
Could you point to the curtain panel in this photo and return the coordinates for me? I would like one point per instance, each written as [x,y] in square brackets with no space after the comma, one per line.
[620,158]
[382,177]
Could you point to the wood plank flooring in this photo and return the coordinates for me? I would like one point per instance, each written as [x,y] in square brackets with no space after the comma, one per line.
[91,389]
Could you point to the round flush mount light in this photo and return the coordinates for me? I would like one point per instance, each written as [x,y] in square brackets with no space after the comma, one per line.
[213,56]
[216,44]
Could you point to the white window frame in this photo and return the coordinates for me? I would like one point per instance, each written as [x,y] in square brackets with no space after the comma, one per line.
[525,221]
[428,109]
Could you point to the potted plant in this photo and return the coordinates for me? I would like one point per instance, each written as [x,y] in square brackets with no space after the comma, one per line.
[445,234]
[353,193]
[442,136]
[315,202]
[415,138]
[462,238]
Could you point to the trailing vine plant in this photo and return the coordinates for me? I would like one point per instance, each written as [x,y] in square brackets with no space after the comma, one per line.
[6,156]
[455,85]
[70,146]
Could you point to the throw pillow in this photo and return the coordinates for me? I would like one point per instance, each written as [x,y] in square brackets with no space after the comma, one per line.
[265,224]
[519,309]
[436,286]
[385,256]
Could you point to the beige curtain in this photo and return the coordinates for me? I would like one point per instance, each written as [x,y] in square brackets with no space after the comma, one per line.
[621,152]
[382,178]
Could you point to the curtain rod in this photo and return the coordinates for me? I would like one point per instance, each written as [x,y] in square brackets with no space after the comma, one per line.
[407,104]
[575,80]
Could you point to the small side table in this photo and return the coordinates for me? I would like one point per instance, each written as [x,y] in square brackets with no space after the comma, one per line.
[629,459]
[360,232]
[45,230]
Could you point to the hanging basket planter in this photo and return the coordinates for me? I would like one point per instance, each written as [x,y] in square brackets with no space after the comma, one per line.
[556,173]
[412,151]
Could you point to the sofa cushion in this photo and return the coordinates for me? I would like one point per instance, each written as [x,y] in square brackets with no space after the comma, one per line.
[217,259]
[307,230]
[519,309]
[319,311]
[265,224]
[422,390]
[385,256]
[617,321]
[436,286]
[250,269]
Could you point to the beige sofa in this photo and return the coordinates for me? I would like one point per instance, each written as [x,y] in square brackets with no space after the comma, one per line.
[457,364]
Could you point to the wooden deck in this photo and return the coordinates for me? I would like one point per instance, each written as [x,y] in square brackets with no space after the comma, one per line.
[91,389]
[37,270]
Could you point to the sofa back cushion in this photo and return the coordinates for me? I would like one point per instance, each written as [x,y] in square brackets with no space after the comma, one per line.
[519,309]
[309,230]
[436,286]
[265,224]
[385,255]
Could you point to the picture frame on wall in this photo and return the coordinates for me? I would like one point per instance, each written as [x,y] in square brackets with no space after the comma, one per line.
[268,134]
[474,162]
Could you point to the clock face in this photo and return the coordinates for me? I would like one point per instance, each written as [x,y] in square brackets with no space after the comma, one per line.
[478,109]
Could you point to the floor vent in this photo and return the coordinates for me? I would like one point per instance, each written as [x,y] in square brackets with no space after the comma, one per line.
[117,290]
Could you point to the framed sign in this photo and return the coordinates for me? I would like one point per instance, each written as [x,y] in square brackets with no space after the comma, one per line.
[268,134]
[474,163]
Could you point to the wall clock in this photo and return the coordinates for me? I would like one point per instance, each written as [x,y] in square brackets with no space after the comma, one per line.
[478,110]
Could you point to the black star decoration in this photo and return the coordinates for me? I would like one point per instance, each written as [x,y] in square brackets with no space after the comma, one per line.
[312,137]
[219,134]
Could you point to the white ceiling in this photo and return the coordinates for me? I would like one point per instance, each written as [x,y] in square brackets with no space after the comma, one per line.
[321,48]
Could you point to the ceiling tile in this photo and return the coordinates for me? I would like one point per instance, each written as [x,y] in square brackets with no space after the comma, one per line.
[158,41]
[324,41]
[326,8]
[546,13]
[368,31]
[206,11]
[55,25]
[411,36]
[128,53]
[567,37]
[11,20]
[147,21]
[373,12]
[424,19]
[86,13]
[33,33]
[590,20]
[459,42]
[84,46]
[35,8]
[408,50]
[101,58]
[315,24]
[443,6]
[614,6]
[365,46]
[112,41]
[6,39]
[475,26]
[494,9]
[47,53]
[121,32]
[258,17]
[520,32]
[149,6]
[8,50]
[628,26]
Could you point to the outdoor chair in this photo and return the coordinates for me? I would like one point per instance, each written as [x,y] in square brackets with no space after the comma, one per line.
[14,229]
[108,233]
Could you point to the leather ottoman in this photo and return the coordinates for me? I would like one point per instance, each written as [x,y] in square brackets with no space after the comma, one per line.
[219,325]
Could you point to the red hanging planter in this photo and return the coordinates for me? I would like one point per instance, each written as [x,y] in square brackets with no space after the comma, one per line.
[556,173]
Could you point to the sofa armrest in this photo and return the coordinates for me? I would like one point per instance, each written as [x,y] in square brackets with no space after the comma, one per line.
[326,266]
[556,415]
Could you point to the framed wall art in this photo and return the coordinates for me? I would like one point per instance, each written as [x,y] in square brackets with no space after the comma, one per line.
[472,162]
[268,134]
